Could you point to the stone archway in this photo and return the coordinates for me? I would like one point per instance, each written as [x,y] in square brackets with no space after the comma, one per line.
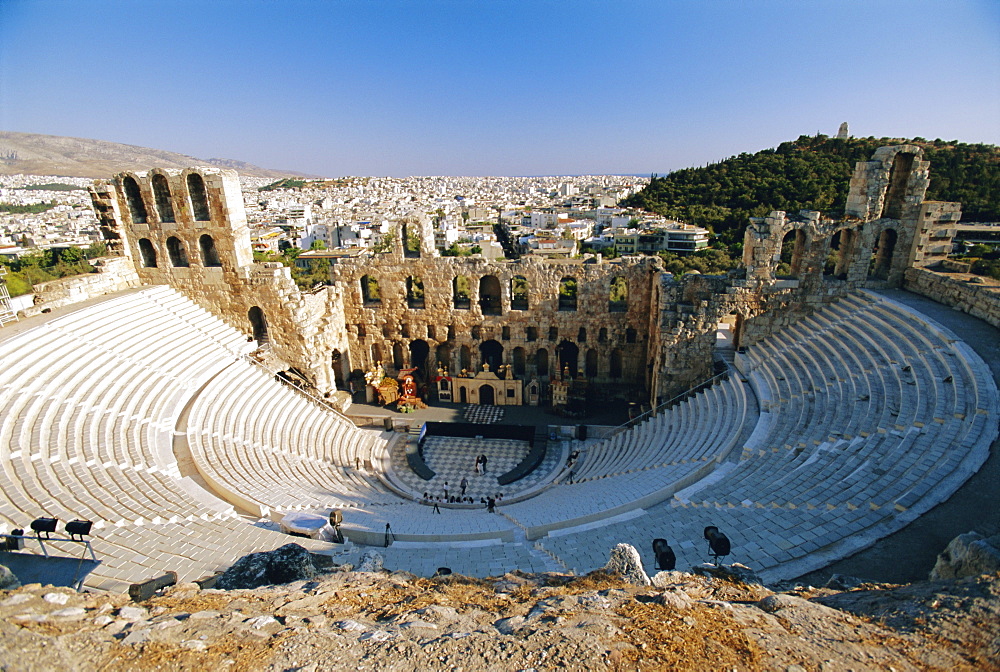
[486,394]
[419,349]
[569,357]
[259,324]
[491,352]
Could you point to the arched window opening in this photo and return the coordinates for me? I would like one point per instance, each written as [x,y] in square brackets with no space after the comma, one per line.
[830,265]
[259,324]
[404,330]
[431,332]
[847,252]
[531,334]
[175,250]
[451,332]
[491,352]
[591,371]
[881,262]
[602,335]
[615,365]
[411,240]
[569,356]
[161,193]
[147,252]
[630,335]
[792,247]
[489,295]
[519,293]
[414,292]
[518,361]
[443,356]
[370,294]
[136,206]
[460,293]
[339,364]
[209,255]
[465,358]
[899,175]
[198,197]
[542,363]
[362,332]
[418,357]
[376,354]
[505,333]
[387,330]
[618,295]
[553,333]
[397,356]
[581,335]
[567,294]
[476,332]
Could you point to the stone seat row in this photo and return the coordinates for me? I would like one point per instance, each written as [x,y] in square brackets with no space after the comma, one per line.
[279,451]
[698,429]
[862,430]
[86,421]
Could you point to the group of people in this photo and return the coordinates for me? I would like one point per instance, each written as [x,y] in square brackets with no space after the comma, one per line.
[490,502]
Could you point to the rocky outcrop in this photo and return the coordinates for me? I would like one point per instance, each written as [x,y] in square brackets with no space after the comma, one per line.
[289,563]
[626,562]
[364,620]
[968,554]
[7,579]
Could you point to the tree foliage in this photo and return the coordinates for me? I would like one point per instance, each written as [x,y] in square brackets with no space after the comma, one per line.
[813,173]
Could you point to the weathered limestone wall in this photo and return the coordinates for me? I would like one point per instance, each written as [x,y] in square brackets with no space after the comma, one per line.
[980,299]
[608,345]
[114,274]
[188,229]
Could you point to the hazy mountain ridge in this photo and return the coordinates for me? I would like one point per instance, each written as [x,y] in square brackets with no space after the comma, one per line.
[36,154]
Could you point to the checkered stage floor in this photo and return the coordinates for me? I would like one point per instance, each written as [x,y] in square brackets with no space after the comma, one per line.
[453,458]
[483,414]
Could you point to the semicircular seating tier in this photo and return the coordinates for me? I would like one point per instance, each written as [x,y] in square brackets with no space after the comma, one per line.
[870,415]
[866,415]
[88,407]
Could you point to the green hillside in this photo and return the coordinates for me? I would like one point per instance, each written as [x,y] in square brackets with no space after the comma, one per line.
[812,173]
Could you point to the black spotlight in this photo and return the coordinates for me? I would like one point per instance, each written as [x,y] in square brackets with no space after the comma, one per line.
[718,543]
[78,528]
[13,541]
[46,525]
[665,558]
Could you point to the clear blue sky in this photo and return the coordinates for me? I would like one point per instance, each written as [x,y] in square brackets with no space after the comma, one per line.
[496,87]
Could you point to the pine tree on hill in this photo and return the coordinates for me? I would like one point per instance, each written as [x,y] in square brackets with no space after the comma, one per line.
[813,173]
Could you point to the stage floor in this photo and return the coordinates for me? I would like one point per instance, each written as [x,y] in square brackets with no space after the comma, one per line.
[454,458]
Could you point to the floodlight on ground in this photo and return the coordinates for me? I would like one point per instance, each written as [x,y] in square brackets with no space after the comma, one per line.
[665,558]
[718,543]
[78,528]
[44,525]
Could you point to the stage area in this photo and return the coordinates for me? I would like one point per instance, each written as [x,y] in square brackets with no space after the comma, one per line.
[453,458]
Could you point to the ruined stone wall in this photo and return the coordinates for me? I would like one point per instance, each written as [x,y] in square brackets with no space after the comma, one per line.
[610,342]
[114,274]
[188,229]
[979,298]
[657,342]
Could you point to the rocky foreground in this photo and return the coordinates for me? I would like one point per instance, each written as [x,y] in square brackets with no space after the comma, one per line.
[340,619]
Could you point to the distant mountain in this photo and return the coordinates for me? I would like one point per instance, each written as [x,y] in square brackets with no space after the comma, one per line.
[813,173]
[34,154]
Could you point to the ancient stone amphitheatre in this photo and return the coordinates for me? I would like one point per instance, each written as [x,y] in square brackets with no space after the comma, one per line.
[144,399]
